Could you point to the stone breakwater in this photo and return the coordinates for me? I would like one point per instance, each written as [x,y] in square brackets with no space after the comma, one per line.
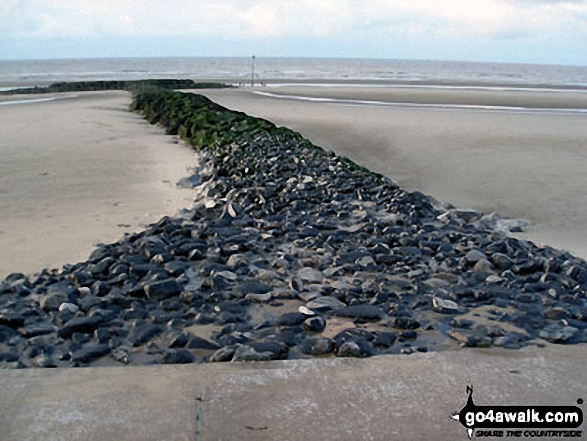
[289,252]
[135,85]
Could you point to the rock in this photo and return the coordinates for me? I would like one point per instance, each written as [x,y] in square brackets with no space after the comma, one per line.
[466,214]
[555,313]
[493,279]
[223,354]
[259,298]
[310,275]
[408,335]
[237,260]
[69,307]
[177,356]
[291,319]
[349,349]
[55,297]
[558,334]
[435,282]
[195,342]
[445,306]
[384,339]
[483,266]
[278,349]
[246,353]
[89,352]
[314,324]
[367,312]
[44,361]
[122,356]
[253,287]
[296,284]
[87,302]
[141,334]
[84,291]
[405,323]
[308,296]
[501,261]
[321,304]
[11,320]
[306,311]
[163,289]
[474,256]
[176,267]
[365,262]
[86,325]
[36,330]
[317,346]
[9,357]
[510,341]
[102,335]
[228,275]
[470,339]
[14,277]
[6,333]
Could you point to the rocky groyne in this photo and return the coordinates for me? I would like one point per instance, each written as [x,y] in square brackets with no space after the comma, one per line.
[137,85]
[289,252]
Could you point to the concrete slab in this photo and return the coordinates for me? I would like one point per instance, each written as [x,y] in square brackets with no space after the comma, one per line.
[382,398]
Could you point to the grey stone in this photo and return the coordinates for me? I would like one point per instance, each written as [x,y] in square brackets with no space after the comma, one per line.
[475,256]
[141,334]
[310,275]
[405,323]
[367,312]
[445,306]
[317,346]
[349,349]
[253,287]
[163,289]
[558,334]
[555,313]
[195,342]
[291,319]
[325,303]
[223,354]
[258,298]
[89,352]
[247,353]
[85,325]
[314,324]
[177,356]
[11,319]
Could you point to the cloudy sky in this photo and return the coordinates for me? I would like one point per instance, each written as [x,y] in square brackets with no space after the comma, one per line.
[531,31]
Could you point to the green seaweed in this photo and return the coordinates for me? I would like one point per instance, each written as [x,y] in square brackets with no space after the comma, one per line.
[131,86]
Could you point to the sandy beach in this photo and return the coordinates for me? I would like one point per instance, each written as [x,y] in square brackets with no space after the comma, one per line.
[524,163]
[80,170]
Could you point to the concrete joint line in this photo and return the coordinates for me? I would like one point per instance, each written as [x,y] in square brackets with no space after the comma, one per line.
[198,418]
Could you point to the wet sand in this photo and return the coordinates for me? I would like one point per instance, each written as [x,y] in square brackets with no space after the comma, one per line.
[526,164]
[77,171]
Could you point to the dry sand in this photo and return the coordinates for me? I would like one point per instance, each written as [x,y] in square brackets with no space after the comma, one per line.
[524,164]
[78,171]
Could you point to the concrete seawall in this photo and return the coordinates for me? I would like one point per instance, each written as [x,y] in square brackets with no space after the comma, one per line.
[381,398]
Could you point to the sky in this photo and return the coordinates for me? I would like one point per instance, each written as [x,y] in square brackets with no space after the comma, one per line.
[526,31]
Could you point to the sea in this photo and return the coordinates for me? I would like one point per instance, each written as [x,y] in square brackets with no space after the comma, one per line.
[284,70]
